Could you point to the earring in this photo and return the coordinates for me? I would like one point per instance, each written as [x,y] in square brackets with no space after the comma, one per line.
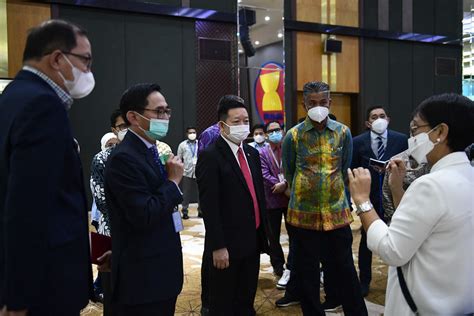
[438,140]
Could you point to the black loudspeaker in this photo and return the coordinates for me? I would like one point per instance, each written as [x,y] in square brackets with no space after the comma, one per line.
[332,46]
[214,49]
[246,18]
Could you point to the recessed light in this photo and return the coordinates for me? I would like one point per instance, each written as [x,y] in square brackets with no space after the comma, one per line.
[257,43]
[267,18]
[280,35]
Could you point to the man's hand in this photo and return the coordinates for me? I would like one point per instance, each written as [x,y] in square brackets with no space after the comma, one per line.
[359,184]
[105,262]
[220,258]
[175,169]
[397,170]
[279,187]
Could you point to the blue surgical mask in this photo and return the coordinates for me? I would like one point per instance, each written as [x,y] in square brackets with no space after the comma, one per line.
[158,128]
[275,137]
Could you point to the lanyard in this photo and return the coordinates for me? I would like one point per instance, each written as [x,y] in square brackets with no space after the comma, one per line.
[275,159]
[192,147]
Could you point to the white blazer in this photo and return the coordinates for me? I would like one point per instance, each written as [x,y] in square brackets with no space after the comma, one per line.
[431,237]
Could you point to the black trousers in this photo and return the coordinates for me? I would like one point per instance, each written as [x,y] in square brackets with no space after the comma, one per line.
[232,290]
[308,248]
[189,185]
[277,257]
[48,311]
[365,260]
[205,266]
[162,308]
[110,308]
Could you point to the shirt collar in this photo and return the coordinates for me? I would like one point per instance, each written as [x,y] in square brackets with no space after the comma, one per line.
[331,124]
[374,136]
[66,99]
[232,146]
[458,157]
[147,143]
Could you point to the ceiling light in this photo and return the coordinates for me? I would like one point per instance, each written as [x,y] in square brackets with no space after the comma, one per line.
[257,43]
[240,51]
[280,35]
[267,18]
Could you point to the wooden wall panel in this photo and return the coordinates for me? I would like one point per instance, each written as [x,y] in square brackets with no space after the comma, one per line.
[309,10]
[345,78]
[21,16]
[308,58]
[347,12]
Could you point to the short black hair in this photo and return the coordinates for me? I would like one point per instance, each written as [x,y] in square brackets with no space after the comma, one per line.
[314,87]
[454,110]
[190,127]
[50,36]
[227,103]
[135,98]
[113,117]
[373,108]
[258,126]
[270,122]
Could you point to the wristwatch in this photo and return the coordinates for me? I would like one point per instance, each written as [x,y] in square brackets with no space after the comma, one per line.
[363,207]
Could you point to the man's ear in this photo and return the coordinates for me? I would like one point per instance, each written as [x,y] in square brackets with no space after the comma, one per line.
[132,118]
[54,59]
[367,124]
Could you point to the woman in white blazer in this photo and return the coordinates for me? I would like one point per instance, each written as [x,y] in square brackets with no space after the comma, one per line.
[431,236]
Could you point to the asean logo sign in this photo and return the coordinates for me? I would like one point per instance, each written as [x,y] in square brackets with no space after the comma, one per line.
[269,93]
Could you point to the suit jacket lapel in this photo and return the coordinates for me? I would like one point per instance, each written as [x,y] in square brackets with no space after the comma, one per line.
[368,143]
[229,156]
[141,148]
[388,152]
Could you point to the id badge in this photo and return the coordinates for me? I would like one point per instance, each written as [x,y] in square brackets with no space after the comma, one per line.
[281,177]
[177,221]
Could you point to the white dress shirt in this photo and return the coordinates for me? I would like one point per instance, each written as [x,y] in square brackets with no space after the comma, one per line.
[431,237]
[374,142]
[235,149]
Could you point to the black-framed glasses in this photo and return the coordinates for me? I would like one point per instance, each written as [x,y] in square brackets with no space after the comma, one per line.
[86,59]
[121,127]
[414,128]
[160,112]
[275,130]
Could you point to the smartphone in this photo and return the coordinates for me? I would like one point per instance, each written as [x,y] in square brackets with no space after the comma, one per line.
[378,165]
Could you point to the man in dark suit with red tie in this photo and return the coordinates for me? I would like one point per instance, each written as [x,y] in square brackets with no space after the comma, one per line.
[233,205]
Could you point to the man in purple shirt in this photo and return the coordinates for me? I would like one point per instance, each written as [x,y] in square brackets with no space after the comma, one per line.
[208,137]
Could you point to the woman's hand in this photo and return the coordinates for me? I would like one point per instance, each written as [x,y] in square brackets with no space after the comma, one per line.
[359,184]
[397,172]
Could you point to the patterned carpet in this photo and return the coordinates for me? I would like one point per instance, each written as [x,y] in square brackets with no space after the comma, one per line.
[189,302]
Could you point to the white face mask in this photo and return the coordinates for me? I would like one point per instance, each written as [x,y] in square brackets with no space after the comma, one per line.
[192,136]
[82,84]
[318,113]
[259,139]
[238,133]
[121,134]
[379,126]
[420,145]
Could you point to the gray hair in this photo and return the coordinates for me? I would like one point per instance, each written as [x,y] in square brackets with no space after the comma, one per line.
[314,87]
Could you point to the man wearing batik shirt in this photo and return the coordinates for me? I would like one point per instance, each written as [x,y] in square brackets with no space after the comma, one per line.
[316,155]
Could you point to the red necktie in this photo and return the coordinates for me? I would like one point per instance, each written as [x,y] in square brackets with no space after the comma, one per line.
[248,178]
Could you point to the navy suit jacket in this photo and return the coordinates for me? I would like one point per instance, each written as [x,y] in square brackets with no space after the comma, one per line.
[226,203]
[44,244]
[147,261]
[362,152]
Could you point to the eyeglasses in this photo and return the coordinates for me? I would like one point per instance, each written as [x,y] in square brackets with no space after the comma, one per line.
[160,112]
[275,130]
[86,59]
[414,128]
[121,127]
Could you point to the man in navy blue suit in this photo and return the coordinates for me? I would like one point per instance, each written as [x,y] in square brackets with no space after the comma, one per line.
[44,246]
[378,143]
[141,190]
